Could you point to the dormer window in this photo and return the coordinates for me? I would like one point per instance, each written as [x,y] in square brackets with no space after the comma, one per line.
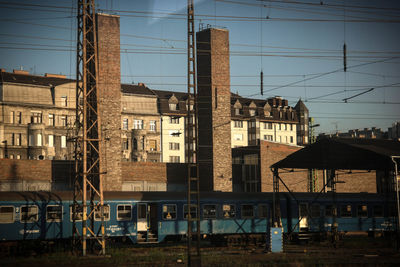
[237,111]
[173,103]
[172,106]
[252,112]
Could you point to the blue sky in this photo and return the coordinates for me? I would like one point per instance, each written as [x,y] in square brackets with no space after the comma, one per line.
[297,44]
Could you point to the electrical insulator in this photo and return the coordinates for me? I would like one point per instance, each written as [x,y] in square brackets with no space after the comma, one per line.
[344,58]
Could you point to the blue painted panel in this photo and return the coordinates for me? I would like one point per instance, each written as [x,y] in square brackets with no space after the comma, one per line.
[276,239]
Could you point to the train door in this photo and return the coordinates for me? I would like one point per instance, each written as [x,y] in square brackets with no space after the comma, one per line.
[147,217]
[303,217]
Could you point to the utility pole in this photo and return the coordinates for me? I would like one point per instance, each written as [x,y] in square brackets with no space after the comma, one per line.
[88,187]
[193,183]
[312,173]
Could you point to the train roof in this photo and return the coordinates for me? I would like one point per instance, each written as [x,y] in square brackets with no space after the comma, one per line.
[156,196]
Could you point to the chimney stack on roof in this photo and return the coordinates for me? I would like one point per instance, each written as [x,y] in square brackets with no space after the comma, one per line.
[24,72]
[51,75]
[142,84]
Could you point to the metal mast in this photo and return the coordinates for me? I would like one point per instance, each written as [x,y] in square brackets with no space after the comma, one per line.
[193,183]
[88,191]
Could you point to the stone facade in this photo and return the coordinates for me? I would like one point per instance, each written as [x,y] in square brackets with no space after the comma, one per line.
[214,114]
[109,97]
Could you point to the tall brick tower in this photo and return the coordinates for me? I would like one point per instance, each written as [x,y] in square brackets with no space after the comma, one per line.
[214,110]
[109,88]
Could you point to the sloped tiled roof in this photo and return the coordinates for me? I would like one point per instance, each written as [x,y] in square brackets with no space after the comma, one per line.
[32,79]
[136,89]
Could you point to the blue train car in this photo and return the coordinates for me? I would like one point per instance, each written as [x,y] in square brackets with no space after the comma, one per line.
[158,216]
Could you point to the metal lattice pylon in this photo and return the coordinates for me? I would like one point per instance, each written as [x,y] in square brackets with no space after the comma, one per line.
[193,183]
[88,191]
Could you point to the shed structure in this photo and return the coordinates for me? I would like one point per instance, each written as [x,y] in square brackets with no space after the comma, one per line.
[341,154]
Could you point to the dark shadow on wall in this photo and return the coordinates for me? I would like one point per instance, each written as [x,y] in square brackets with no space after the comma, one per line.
[177,177]
[62,175]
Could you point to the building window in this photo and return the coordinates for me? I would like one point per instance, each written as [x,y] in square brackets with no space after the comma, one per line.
[63,120]
[285,127]
[19,117]
[252,112]
[173,106]
[153,145]
[125,124]
[36,117]
[39,139]
[12,117]
[174,120]
[238,137]
[268,137]
[268,125]
[174,159]
[18,156]
[63,141]
[54,213]
[173,146]
[153,126]
[31,140]
[51,119]
[18,138]
[169,212]
[377,211]
[238,124]
[135,144]
[279,126]
[125,144]
[291,139]
[138,124]
[291,127]
[238,111]
[51,140]
[64,101]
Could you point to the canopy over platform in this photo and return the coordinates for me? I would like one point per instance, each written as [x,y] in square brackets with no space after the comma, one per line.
[344,153]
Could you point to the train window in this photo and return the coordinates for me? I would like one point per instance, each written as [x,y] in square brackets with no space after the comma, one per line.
[228,211]
[392,211]
[106,211]
[124,212]
[362,211]
[78,214]
[247,211]
[169,212]
[54,213]
[7,214]
[193,211]
[29,213]
[345,211]
[209,211]
[315,211]
[377,211]
[330,211]
[263,211]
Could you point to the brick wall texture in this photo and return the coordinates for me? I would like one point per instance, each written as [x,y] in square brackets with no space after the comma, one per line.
[109,90]
[215,155]
[270,153]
